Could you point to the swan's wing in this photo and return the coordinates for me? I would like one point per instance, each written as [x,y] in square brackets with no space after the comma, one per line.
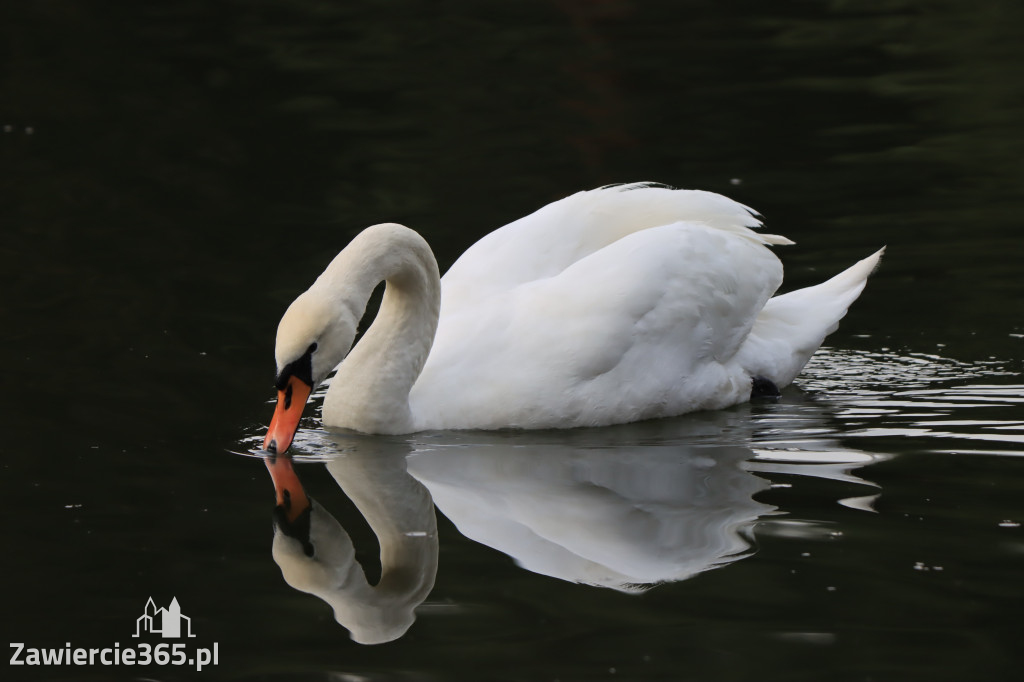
[546,242]
[640,328]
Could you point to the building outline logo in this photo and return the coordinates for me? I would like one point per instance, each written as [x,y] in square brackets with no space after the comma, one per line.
[167,622]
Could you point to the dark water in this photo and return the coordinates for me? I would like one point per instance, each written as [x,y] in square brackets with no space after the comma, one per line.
[174,173]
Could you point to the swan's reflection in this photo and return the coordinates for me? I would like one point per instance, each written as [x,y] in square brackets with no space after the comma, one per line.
[316,555]
[625,508]
[623,517]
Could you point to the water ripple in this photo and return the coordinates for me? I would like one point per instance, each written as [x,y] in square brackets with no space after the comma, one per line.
[885,395]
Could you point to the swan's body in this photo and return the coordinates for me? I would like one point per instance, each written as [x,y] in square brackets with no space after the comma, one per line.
[609,306]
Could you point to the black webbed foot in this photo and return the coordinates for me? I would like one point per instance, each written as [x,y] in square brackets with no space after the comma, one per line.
[762,388]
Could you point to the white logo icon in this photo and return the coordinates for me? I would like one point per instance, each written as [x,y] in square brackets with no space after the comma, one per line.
[167,622]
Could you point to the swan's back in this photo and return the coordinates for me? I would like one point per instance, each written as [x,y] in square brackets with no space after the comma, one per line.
[546,242]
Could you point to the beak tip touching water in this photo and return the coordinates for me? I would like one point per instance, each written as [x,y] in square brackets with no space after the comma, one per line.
[277,441]
[290,403]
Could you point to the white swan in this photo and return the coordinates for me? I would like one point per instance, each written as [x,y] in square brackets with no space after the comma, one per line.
[609,306]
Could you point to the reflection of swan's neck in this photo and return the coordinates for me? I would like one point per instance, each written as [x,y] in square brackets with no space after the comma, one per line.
[400,512]
[372,385]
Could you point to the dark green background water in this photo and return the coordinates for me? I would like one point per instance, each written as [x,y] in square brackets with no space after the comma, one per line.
[173,174]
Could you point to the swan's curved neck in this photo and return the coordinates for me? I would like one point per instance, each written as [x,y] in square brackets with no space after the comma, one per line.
[370,392]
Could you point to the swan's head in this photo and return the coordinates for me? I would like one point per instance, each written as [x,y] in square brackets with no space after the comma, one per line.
[314,336]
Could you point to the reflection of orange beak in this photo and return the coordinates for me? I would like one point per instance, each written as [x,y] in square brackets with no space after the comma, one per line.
[285,423]
[291,498]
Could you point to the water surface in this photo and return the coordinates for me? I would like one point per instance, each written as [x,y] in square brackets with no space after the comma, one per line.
[174,174]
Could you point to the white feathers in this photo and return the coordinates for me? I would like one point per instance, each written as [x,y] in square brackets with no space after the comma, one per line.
[792,326]
[609,306]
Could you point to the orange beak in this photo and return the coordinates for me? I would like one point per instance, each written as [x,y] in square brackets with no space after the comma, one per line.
[290,403]
[291,497]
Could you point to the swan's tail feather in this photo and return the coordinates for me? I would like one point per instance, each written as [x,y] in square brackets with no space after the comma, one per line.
[776,239]
[792,326]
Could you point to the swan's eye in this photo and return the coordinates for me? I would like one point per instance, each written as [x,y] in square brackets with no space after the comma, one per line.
[311,349]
